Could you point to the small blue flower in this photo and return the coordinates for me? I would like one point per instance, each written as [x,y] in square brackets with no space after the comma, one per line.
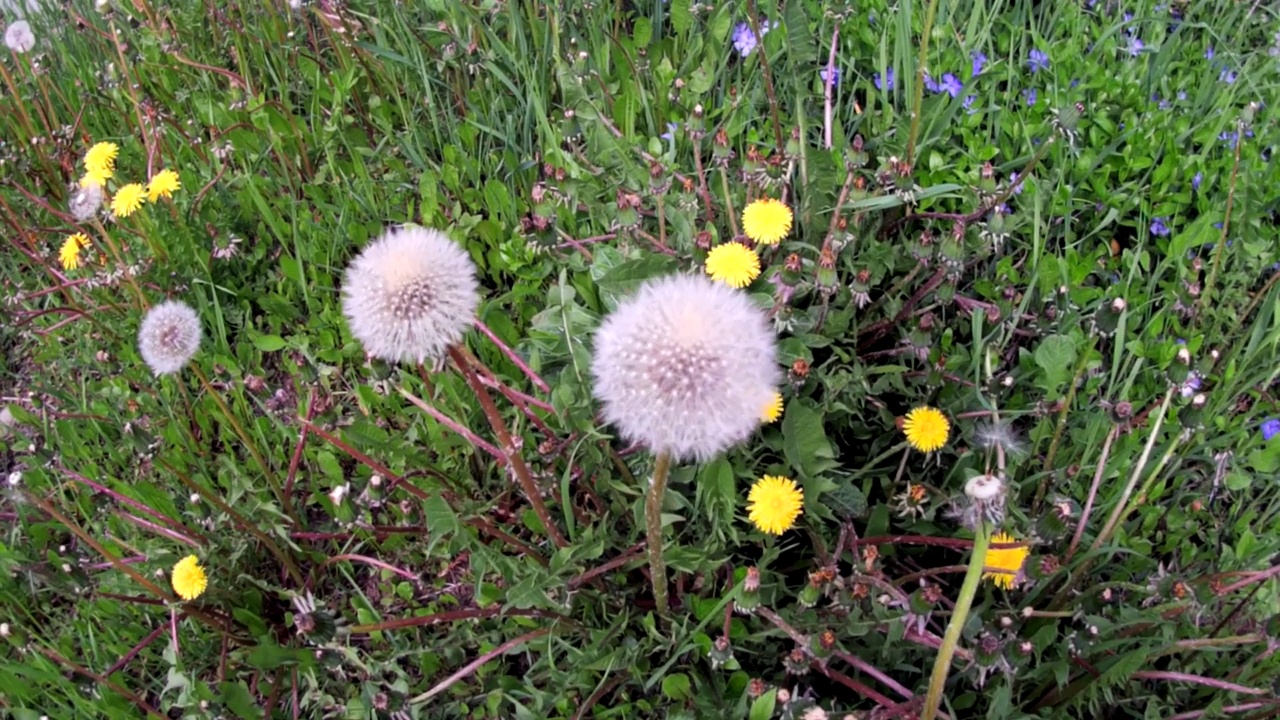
[952,85]
[1159,228]
[1030,95]
[1037,60]
[931,85]
[887,80]
[979,60]
[1270,429]
[968,103]
[670,134]
[835,76]
[1128,17]
[1195,181]
[744,39]
[1227,76]
[1208,54]
[1182,94]
[1075,82]
[1017,188]
[1135,46]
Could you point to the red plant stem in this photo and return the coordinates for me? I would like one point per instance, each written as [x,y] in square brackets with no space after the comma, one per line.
[876,673]
[1196,680]
[513,357]
[126,561]
[852,684]
[371,561]
[1093,491]
[124,659]
[478,662]
[455,426]
[297,450]
[375,529]
[490,380]
[954,543]
[173,524]
[521,401]
[450,616]
[632,553]
[1255,577]
[1228,709]
[172,535]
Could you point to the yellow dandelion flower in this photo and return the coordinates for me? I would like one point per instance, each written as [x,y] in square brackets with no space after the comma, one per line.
[926,428]
[773,410]
[163,185]
[733,264]
[69,255]
[766,221]
[101,158]
[128,199]
[774,503]
[1007,561]
[95,178]
[188,578]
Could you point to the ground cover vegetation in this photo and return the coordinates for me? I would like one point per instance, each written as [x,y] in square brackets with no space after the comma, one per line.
[639,359]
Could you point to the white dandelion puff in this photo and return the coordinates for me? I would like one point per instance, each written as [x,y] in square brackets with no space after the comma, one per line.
[997,434]
[410,294]
[169,337]
[85,202]
[18,36]
[684,366]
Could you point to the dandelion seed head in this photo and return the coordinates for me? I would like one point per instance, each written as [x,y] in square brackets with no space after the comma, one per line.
[18,36]
[998,434]
[169,337]
[685,365]
[410,294]
[85,202]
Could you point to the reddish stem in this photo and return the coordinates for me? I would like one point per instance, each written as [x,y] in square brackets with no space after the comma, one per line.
[513,357]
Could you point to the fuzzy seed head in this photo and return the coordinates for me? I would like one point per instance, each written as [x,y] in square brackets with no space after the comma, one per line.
[85,202]
[410,294]
[18,36]
[685,365]
[169,337]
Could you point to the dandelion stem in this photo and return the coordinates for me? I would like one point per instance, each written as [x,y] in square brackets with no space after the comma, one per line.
[942,664]
[653,524]
[728,202]
[507,445]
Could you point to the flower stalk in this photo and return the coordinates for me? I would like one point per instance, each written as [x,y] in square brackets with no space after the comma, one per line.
[942,664]
[653,525]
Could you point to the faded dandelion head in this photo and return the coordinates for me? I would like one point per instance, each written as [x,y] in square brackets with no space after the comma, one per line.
[169,337]
[685,365]
[128,199]
[18,36]
[733,264]
[410,294]
[85,202]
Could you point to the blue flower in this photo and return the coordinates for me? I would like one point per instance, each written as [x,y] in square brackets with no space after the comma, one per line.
[1075,82]
[979,60]
[952,85]
[835,76]
[1270,429]
[968,103]
[1013,180]
[1030,95]
[1227,76]
[744,39]
[931,85]
[1195,181]
[1135,46]
[1208,54]
[1182,94]
[1159,228]
[1037,60]
[881,82]
[670,134]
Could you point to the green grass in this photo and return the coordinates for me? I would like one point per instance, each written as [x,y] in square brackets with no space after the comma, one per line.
[525,130]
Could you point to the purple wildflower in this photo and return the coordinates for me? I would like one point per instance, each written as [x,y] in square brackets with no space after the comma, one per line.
[885,80]
[1037,60]
[931,85]
[1270,429]
[1159,228]
[968,103]
[1182,94]
[952,85]
[835,76]
[670,134]
[979,60]
[744,39]
[1017,187]
[1195,181]
[1227,76]
[1208,54]
[1192,384]
[1135,46]
[1030,95]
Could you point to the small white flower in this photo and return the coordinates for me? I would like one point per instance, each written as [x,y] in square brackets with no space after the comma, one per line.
[194,498]
[18,36]
[14,479]
[169,337]
[338,494]
[4,630]
[410,294]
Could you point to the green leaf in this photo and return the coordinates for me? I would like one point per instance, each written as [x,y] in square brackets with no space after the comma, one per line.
[642,33]
[677,686]
[681,18]
[1056,356]
[806,446]
[238,700]
[269,343]
[800,45]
